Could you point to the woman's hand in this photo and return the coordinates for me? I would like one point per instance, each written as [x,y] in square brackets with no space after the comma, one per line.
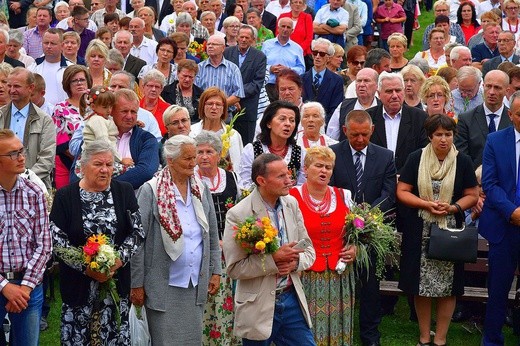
[434,208]
[137,296]
[101,277]
[445,208]
[214,284]
[348,253]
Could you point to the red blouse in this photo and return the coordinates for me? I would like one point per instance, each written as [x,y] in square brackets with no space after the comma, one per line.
[303,31]
[469,31]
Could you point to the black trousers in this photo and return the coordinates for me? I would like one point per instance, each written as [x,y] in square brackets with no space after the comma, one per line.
[369,305]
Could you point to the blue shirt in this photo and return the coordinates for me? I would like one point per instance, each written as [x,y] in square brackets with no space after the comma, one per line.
[461,106]
[226,76]
[481,51]
[18,120]
[242,57]
[289,55]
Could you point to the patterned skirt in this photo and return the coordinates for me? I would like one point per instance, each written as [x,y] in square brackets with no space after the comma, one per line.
[331,305]
[218,315]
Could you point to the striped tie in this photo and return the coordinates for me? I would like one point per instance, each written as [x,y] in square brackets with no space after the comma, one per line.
[359,173]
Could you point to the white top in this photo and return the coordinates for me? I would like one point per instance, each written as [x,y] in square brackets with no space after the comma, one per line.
[150,123]
[324,14]
[235,141]
[275,8]
[219,184]
[486,6]
[168,22]
[495,119]
[26,59]
[431,62]
[391,129]
[54,92]
[347,198]
[324,140]
[145,51]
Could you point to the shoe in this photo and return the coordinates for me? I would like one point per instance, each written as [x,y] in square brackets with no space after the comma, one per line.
[43,324]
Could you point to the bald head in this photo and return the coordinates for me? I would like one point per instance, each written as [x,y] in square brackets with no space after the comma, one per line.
[496,83]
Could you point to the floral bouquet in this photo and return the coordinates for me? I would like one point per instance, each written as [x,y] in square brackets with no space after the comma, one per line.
[225,162]
[366,229]
[198,50]
[256,236]
[99,255]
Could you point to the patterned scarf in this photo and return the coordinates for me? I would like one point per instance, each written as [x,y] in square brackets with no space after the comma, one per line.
[167,204]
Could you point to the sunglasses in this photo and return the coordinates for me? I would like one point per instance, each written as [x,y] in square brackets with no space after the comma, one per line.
[322,54]
[359,63]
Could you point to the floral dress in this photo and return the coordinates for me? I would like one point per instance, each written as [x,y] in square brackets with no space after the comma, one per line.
[95,322]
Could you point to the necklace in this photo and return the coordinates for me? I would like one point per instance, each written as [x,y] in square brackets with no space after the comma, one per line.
[215,187]
[280,152]
[321,207]
[509,24]
[306,144]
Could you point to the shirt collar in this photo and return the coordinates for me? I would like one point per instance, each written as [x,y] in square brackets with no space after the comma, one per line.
[364,150]
[517,135]
[247,51]
[387,117]
[126,134]
[498,112]
[24,110]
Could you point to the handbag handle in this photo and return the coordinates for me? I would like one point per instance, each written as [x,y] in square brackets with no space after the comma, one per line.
[461,213]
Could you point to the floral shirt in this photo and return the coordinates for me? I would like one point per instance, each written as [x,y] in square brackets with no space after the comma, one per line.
[67,119]
[263,35]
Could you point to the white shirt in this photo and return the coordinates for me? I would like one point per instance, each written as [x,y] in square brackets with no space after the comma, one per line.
[54,92]
[275,8]
[392,129]
[150,123]
[498,115]
[362,158]
[334,127]
[486,6]
[64,24]
[145,51]
[168,22]
[323,140]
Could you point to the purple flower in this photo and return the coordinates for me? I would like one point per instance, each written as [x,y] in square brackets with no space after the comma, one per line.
[358,222]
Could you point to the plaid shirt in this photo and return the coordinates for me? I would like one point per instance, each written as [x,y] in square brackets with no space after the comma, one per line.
[25,240]
[32,43]
[98,17]
[197,30]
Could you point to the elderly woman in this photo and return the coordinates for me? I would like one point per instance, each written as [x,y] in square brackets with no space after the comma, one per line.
[115,61]
[313,119]
[436,95]
[254,18]
[336,60]
[67,118]
[94,206]
[71,43]
[208,19]
[278,129]
[467,19]
[212,114]
[96,57]
[356,57]
[413,80]
[183,23]
[152,85]
[166,50]
[218,314]
[330,295]
[230,27]
[435,55]
[397,45]
[180,261]
[147,14]
[450,76]
[104,34]
[5,70]
[511,21]
[61,11]
[433,181]
[13,48]
[177,122]
[182,91]
[136,5]
[182,41]
[303,29]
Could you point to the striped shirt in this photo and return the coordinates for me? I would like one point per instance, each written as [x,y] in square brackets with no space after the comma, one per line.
[25,240]
[226,76]
[32,43]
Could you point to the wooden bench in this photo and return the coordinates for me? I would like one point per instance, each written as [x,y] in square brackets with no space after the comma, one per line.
[470,293]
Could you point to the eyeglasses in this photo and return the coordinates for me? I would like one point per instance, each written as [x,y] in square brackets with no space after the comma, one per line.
[176,123]
[164,50]
[505,40]
[317,52]
[358,63]
[512,8]
[214,104]
[435,96]
[78,81]
[15,155]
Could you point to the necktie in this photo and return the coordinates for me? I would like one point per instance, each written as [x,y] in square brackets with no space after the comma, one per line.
[359,173]
[316,82]
[492,128]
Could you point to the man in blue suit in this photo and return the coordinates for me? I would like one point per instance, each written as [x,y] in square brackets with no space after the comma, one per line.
[500,219]
[319,83]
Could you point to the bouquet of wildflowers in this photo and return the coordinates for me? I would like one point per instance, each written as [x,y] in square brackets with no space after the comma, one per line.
[365,228]
[198,50]
[256,236]
[99,255]
[225,137]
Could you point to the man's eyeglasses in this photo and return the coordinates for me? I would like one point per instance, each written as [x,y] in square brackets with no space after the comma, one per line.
[15,155]
[316,52]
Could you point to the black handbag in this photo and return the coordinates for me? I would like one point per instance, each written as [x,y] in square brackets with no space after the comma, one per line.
[453,244]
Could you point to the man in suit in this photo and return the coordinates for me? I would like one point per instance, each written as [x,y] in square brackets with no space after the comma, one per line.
[500,220]
[366,88]
[252,63]
[216,7]
[268,286]
[268,19]
[319,83]
[123,40]
[396,126]
[162,7]
[376,185]
[354,27]
[506,48]
[474,126]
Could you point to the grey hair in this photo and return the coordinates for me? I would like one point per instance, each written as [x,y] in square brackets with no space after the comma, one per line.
[389,76]
[154,75]
[414,70]
[6,35]
[60,3]
[469,71]
[513,98]
[130,77]
[16,36]
[174,109]
[309,105]
[6,68]
[374,57]
[250,27]
[172,148]
[210,138]
[455,52]
[420,63]
[207,13]
[451,45]
[115,56]
[119,32]
[98,146]
[183,18]
[321,40]
[230,20]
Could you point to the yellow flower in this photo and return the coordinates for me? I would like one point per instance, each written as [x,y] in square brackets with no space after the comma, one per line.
[260,245]
[267,240]
[94,265]
[101,239]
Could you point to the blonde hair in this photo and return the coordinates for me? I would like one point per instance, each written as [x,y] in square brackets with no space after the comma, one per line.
[432,81]
[399,38]
[319,152]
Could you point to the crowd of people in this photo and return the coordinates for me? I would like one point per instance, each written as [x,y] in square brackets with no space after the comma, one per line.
[155,129]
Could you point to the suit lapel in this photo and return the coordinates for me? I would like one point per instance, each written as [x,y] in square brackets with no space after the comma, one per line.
[348,162]
[380,130]
[511,153]
[404,128]
[370,164]
[480,119]
[504,119]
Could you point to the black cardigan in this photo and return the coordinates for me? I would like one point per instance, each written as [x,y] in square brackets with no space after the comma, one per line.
[66,214]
